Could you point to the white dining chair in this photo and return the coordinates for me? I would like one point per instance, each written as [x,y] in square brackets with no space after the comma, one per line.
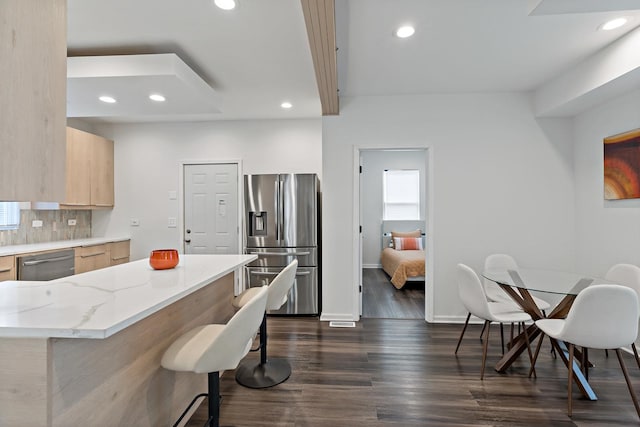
[601,317]
[472,295]
[493,290]
[626,275]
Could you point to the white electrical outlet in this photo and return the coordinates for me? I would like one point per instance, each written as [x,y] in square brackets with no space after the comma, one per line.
[71,222]
[134,222]
[36,223]
[171,223]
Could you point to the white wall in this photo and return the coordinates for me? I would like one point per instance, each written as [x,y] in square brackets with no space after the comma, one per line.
[607,232]
[147,167]
[502,182]
[374,162]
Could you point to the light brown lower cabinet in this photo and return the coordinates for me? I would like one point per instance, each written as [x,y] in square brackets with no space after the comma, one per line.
[90,258]
[119,252]
[7,268]
[87,258]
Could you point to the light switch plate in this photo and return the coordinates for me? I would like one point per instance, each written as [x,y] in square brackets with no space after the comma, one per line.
[71,222]
[171,222]
[36,223]
[173,195]
[134,222]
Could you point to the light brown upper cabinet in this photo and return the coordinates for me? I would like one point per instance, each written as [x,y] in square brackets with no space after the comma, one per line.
[33,93]
[89,171]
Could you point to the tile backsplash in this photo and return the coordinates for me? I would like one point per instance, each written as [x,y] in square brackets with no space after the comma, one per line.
[54,227]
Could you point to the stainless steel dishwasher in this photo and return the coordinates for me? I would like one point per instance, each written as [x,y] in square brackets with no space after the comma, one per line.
[47,266]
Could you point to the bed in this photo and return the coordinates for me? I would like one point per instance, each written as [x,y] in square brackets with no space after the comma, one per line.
[407,263]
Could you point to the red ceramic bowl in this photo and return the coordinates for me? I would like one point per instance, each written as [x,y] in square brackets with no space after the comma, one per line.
[163,259]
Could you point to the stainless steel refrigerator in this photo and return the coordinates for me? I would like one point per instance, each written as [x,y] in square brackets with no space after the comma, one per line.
[283,224]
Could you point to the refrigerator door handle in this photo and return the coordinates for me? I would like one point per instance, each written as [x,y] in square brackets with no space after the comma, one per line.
[278,201]
[281,207]
[280,253]
[266,273]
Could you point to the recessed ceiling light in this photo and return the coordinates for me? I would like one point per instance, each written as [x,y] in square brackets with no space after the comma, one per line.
[157,97]
[286,105]
[225,4]
[405,31]
[107,99]
[613,24]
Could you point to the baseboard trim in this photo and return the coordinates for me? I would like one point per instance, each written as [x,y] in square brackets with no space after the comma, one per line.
[456,319]
[339,317]
[371,265]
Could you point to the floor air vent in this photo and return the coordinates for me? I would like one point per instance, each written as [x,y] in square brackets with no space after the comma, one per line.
[337,324]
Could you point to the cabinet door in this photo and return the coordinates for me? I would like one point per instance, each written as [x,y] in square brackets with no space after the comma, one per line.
[89,258]
[119,252]
[33,66]
[7,268]
[78,168]
[102,172]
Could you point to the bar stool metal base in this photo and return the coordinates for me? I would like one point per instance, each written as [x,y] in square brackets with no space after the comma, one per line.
[254,374]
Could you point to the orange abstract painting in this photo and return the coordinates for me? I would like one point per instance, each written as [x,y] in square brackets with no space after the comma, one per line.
[622,166]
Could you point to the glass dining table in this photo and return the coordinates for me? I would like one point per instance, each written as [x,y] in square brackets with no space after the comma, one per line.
[519,284]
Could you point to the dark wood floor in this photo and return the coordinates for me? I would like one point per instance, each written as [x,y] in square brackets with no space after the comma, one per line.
[381,300]
[403,373]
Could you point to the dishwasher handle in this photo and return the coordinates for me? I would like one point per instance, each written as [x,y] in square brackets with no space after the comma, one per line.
[42,261]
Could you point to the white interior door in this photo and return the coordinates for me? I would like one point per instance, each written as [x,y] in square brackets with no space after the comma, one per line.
[211,209]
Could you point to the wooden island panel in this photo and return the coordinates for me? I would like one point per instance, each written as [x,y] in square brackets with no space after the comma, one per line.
[112,381]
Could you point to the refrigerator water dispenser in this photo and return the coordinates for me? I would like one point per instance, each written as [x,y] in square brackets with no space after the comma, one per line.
[258,223]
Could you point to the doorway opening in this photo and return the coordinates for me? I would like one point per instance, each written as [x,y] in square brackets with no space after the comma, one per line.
[394,198]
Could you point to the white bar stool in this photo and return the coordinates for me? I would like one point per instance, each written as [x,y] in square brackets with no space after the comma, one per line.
[214,348]
[267,372]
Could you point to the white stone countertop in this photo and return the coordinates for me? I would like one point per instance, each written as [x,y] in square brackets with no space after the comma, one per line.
[99,303]
[58,244]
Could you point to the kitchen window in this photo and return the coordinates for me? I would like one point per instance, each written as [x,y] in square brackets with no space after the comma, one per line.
[9,215]
[401,194]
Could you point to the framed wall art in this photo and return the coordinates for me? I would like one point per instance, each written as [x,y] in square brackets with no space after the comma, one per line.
[622,166]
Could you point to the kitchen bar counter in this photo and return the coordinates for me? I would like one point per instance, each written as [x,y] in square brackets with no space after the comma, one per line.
[99,303]
[86,349]
[58,244]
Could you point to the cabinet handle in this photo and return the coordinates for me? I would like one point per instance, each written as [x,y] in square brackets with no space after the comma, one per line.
[102,205]
[119,258]
[6,269]
[92,255]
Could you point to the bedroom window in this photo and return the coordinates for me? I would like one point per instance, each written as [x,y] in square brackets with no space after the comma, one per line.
[9,215]
[401,194]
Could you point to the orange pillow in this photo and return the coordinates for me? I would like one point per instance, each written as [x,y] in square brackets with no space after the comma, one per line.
[394,234]
[408,243]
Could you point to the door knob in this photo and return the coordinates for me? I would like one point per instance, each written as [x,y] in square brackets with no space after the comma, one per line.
[187,240]
[188,231]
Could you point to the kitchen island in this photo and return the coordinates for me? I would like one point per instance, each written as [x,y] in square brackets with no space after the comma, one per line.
[86,349]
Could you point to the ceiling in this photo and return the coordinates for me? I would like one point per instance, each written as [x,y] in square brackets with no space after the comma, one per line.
[254,57]
[257,56]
